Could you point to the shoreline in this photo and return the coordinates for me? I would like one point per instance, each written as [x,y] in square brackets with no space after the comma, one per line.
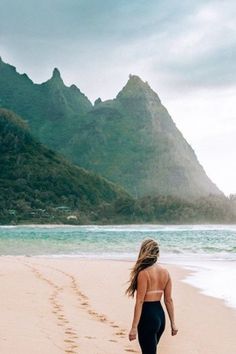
[193,277]
[75,305]
[206,280]
[198,225]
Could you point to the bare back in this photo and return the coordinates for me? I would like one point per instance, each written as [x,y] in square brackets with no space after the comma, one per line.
[157,279]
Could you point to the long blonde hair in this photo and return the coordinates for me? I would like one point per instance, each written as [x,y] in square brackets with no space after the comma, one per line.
[148,255]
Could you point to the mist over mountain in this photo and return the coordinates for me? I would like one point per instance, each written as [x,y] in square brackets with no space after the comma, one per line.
[38,185]
[131,140]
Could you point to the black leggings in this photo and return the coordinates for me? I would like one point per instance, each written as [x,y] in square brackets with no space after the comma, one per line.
[151,326]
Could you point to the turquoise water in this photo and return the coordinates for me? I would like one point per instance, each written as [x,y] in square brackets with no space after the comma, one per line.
[118,241]
[208,250]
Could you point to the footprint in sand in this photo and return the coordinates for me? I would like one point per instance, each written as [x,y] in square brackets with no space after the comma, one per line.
[91,312]
[71,334]
[131,350]
[61,317]
[102,318]
[84,301]
[121,333]
[57,310]
[89,337]
[69,341]
[115,326]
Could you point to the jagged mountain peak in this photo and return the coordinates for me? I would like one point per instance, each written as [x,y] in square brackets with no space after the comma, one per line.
[10,81]
[43,104]
[136,81]
[132,140]
[8,68]
[56,77]
[56,74]
[137,88]
[136,78]
[74,87]
[97,101]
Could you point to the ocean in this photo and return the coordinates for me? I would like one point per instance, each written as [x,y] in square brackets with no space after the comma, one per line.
[208,250]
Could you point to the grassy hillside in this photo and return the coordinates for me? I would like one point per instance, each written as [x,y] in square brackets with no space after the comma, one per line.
[39,186]
[36,181]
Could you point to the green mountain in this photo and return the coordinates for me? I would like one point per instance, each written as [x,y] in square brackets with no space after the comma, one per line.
[38,185]
[35,180]
[131,140]
[51,109]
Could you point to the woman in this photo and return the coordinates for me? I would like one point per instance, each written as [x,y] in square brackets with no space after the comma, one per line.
[150,281]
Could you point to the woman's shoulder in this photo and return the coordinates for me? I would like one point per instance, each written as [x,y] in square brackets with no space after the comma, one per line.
[163,270]
[142,275]
[161,267]
[142,272]
[154,267]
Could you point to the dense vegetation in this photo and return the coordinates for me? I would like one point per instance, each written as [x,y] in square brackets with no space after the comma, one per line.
[173,210]
[131,140]
[37,183]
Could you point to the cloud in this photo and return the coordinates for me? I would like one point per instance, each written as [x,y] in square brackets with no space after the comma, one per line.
[202,53]
[185,44]
[175,45]
[185,49]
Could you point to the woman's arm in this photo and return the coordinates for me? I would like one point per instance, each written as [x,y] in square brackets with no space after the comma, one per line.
[170,305]
[140,294]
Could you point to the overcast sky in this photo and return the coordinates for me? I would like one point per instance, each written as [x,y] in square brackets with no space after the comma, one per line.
[186,50]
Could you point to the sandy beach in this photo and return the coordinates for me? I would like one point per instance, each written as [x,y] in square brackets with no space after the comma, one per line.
[72,305]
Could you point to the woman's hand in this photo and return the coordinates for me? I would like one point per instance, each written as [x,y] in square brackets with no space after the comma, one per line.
[132,334]
[174,330]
